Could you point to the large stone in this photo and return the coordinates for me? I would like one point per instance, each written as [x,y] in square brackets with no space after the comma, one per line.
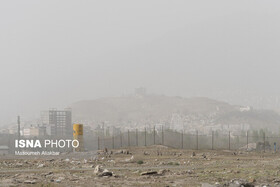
[29,182]
[106,173]
[131,159]
[149,173]
[97,170]
[240,183]
[41,165]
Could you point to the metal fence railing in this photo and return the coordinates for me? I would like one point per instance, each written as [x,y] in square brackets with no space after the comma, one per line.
[194,141]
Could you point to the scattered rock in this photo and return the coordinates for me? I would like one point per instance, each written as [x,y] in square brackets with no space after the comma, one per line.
[252,180]
[47,174]
[162,171]
[190,172]
[146,153]
[102,173]
[97,169]
[239,183]
[149,173]
[119,152]
[159,153]
[29,182]
[41,166]
[207,185]
[131,159]
[105,173]
[19,165]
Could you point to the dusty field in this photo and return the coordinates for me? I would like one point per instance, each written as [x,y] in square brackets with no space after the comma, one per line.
[167,167]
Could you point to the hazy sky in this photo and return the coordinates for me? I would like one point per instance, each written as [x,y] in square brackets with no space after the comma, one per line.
[53,53]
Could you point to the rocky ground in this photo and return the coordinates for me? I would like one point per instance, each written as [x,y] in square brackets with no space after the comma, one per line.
[144,166]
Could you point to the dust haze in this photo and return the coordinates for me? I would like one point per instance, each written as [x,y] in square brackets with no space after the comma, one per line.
[56,53]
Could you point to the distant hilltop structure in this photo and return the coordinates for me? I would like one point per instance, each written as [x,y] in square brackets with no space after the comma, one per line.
[140,91]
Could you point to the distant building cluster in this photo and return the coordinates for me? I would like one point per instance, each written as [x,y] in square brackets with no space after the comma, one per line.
[56,123]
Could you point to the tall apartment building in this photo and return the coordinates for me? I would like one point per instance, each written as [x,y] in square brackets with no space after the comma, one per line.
[57,122]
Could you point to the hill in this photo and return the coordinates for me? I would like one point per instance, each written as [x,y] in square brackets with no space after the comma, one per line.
[161,109]
[136,108]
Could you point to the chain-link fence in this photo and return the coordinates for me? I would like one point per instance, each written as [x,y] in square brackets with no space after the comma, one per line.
[195,140]
[216,140]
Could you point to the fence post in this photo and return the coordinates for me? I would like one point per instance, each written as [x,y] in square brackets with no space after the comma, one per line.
[182,140]
[196,139]
[121,138]
[98,143]
[162,136]
[136,137]
[228,140]
[9,142]
[154,135]
[113,143]
[247,140]
[212,140]
[128,138]
[145,136]
[264,142]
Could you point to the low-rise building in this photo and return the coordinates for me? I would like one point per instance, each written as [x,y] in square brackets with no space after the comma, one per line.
[4,150]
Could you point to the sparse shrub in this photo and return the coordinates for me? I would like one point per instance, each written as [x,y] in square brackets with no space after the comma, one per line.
[173,163]
[140,162]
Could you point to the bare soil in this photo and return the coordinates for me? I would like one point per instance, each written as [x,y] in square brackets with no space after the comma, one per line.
[142,166]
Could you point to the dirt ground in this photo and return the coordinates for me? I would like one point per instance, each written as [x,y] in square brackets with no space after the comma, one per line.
[143,166]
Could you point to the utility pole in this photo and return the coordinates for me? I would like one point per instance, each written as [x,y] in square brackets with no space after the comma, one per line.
[247,140]
[121,138]
[182,139]
[113,140]
[263,141]
[18,121]
[228,140]
[154,135]
[212,140]
[128,138]
[136,137]
[196,139]
[162,136]
[145,136]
